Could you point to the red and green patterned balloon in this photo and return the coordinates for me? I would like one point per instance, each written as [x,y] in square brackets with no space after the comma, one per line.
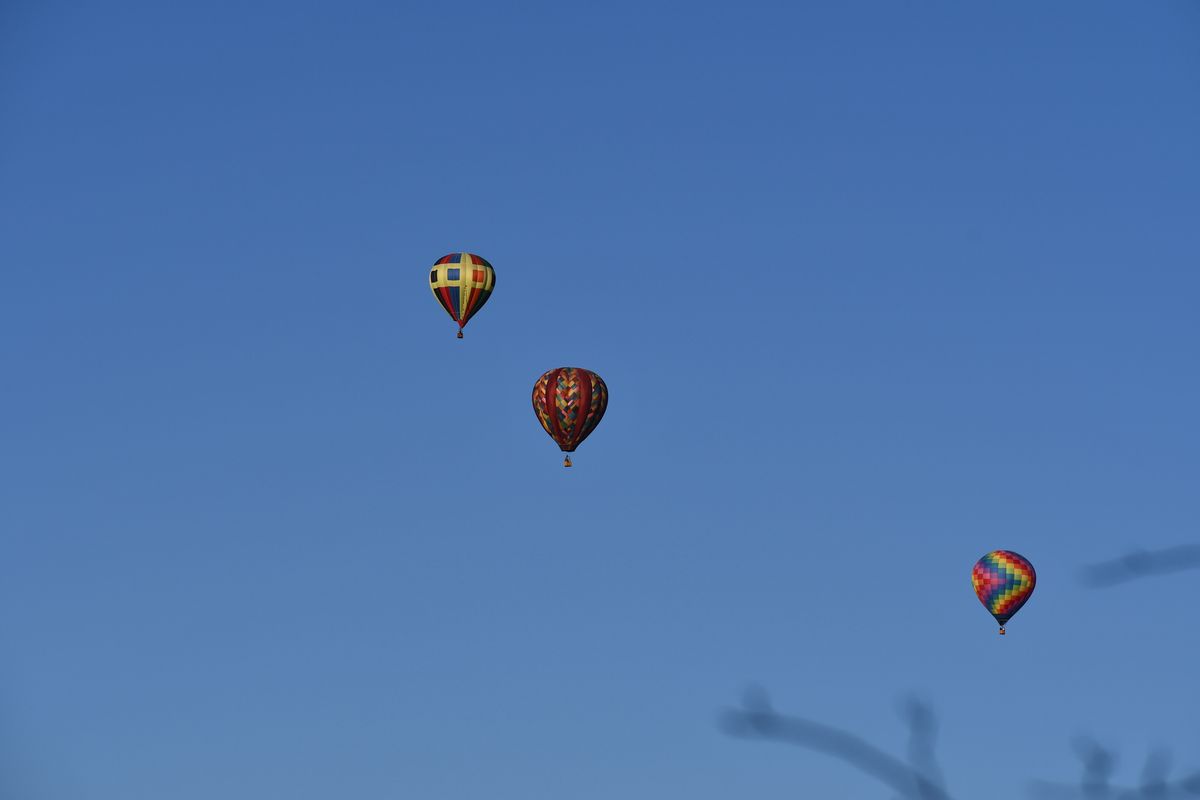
[569,403]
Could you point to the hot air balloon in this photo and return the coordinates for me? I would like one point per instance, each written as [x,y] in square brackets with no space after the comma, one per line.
[462,283]
[1003,581]
[569,403]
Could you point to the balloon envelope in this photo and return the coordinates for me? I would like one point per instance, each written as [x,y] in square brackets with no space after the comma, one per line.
[569,403]
[1003,581]
[462,283]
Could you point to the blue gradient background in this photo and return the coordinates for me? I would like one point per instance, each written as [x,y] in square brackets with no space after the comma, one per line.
[876,288]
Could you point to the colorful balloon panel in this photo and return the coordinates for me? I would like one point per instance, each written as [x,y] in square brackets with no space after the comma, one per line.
[1003,581]
[569,402]
[462,283]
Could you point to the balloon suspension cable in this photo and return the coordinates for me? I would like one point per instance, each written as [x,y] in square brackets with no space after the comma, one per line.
[460,333]
[566,461]
[1002,631]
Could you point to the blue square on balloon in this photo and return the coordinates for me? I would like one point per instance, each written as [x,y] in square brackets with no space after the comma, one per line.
[433,276]
[452,274]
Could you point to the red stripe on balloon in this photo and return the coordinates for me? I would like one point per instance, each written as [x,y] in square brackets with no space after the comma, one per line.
[585,406]
[445,290]
[552,407]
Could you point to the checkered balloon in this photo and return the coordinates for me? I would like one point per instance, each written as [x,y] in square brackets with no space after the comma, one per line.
[1003,581]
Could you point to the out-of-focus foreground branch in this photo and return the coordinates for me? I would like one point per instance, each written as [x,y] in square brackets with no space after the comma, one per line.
[919,779]
[1141,564]
[1098,766]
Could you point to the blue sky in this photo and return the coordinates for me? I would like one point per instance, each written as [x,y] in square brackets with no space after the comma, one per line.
[875,289]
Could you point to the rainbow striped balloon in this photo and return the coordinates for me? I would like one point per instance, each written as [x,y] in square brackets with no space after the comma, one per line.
[1003,581]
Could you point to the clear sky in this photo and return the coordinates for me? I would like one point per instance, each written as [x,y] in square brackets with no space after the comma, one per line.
[876,288]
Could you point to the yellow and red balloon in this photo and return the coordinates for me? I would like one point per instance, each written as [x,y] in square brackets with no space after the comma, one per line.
[462,283]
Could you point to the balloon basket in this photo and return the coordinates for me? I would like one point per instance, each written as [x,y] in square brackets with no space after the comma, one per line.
[1002,631]
[460,334]
[566,461]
